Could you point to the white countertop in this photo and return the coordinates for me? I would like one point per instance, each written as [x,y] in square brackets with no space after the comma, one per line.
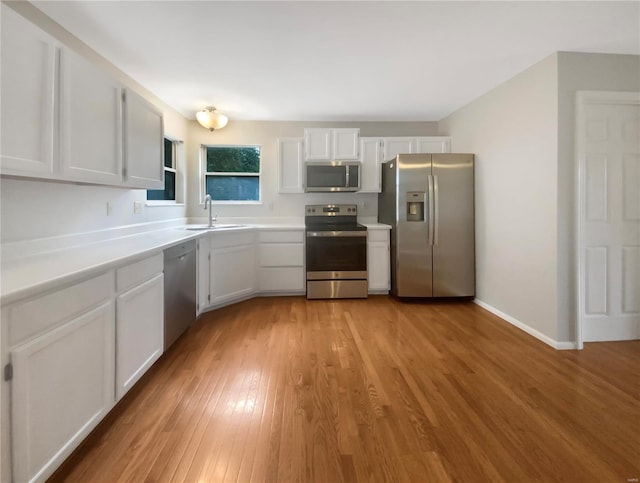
[23,276]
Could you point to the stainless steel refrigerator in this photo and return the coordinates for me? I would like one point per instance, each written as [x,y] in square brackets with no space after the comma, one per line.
[428,200]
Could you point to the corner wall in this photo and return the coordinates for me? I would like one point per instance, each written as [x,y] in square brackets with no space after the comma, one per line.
[513,131]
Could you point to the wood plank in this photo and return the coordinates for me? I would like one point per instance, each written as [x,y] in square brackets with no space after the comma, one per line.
[285,389]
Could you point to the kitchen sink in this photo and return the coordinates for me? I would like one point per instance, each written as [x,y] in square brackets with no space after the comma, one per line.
[213,227]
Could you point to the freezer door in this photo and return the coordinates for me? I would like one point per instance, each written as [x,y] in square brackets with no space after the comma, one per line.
[413,264]
[454,232]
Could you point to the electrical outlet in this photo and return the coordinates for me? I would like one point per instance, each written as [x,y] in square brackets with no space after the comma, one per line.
[138,206]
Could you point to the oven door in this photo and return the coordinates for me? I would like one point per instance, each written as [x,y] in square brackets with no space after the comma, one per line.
[335,255]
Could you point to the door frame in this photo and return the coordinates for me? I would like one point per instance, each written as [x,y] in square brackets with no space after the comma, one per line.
[584,98]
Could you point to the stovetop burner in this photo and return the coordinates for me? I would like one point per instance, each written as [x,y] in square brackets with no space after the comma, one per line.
[332,218]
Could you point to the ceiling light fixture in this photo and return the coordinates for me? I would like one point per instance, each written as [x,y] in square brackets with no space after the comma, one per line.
[211,119]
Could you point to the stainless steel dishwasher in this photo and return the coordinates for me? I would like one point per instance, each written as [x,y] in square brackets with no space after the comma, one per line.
[179,290]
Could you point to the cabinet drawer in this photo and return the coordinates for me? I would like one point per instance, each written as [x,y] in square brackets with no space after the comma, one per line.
[31,317]
[285,279]
[221,240]
[281,236]
[378,235]
[138,272]
[281,255]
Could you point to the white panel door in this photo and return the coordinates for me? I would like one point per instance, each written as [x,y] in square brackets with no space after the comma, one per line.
[28,96]
[378,266]
[290,164]
[91,128]
[609,163]
[144,143]
[394,146]
[62,387]
[139,332]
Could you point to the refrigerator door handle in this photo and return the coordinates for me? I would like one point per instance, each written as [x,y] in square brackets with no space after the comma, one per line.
[431,211]
[436,210]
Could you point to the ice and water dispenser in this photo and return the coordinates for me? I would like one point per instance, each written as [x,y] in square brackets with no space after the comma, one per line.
[415,206]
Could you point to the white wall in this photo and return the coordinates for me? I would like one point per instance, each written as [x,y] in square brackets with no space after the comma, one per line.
[34,209]
[513,132]
[579,71]
[265,134]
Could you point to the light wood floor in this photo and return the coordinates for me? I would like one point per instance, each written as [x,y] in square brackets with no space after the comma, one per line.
[285,389]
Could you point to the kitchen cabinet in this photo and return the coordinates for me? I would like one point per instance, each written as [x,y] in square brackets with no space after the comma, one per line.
[233,266]
[378,260]
[290,165]
[56,101]
[27,86]
[371,159]
[324,144]
[61,348]
[375,151]
[281,261]
[203,274]
[143,143]
[91,122]
[139,320]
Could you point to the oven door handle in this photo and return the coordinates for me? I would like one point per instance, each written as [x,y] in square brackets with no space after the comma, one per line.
[336,234]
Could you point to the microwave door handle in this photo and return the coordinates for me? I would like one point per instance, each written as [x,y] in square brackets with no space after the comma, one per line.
[346,178]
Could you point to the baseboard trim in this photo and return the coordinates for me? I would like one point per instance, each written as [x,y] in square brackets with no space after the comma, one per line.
[526,328]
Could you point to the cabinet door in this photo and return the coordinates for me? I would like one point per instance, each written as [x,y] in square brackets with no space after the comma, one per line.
[346,143]
[395,146]
[233,272]
[91,122]
[371,157]
[27,93]
[203,274]
[433,144]
[140,332]
[378,266]
[317,144]
[290,165]
[62,387]
[144,143]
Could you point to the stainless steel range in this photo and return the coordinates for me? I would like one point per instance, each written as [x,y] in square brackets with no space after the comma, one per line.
[336,249]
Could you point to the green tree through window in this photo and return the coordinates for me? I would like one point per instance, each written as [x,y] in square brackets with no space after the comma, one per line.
[232,173]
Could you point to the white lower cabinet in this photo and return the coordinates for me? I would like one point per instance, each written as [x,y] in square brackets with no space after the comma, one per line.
[281,262]
[378,260]
[232,269]
[140,332]
[203,274]
[63,363]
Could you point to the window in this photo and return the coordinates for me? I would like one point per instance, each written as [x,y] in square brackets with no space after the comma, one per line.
[232,173]
[169,191]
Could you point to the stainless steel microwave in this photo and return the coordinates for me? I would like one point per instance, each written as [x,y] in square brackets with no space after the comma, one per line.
[323,176]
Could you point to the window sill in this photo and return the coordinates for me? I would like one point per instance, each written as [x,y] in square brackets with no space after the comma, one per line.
[163,203]
[229,202]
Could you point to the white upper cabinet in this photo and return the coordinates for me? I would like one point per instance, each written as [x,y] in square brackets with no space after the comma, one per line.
[27,93]
[433,144]
[143,141]
[91,122]
[397,145]
[290,165]
[345,143]
[62,116]
[325,144]
[371,158]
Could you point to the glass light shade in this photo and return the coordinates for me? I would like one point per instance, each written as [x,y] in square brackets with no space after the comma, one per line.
[210,119]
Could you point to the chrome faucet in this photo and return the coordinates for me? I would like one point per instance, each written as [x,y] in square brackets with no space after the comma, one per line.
[212,218]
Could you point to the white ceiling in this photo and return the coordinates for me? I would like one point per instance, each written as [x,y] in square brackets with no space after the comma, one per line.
[349,61]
